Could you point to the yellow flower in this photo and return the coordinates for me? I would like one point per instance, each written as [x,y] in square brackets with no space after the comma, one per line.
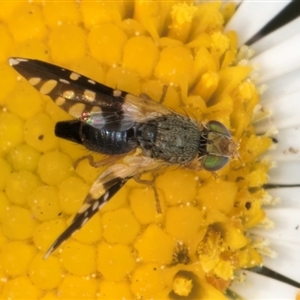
[128,250]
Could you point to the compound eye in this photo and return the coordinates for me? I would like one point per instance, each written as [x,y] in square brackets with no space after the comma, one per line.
[214,163]
[218,127]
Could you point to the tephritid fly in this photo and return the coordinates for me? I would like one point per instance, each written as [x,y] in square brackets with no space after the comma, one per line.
[117,123]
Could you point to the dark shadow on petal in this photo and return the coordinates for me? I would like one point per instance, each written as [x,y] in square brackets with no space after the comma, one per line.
[272,186]
[274,275]
[289,13]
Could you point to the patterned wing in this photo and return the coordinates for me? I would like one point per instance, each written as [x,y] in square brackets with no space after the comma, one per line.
[103,189]
[85,99]
[87,211]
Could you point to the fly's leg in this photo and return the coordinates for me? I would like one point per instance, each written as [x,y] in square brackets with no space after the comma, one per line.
[151,183]
[157,202]
[163,95]
[96,164]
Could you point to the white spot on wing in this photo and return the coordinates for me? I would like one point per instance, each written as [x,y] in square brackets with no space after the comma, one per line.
[89,95]
[74,76]
[76,110]
[69,94]
[34,81]
[60,101]
[105,197]
[102,205]
[92,81]
[117,93]
[95,205]
[84,222]
[50,250]
[15,61]
[48,86]
[96,109]
[64,81]
[83,208]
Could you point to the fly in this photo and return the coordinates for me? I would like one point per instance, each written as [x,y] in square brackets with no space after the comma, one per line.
[146,134]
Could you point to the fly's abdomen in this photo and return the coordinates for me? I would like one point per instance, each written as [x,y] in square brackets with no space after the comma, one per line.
[98,140]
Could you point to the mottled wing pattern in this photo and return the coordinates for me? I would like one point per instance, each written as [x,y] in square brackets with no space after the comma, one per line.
[88,210]
[103,189]
[101,107]
[85,99]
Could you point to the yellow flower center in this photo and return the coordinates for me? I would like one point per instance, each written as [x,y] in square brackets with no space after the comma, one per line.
[128,250]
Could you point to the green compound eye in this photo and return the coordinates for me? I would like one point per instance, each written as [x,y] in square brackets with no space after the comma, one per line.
[218,127]
[219,146]
[214,163]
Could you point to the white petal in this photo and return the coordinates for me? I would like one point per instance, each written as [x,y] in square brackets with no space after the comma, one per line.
[288,145]
[289,196]
[285,262]
[284,240]
[280,34]
[286,172]
[261,287]
[253,16]
[281,86]
[287,226]
[234,1]
[280,59]
[286,112]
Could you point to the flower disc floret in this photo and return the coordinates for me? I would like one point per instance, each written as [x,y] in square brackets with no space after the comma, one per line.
[181,236]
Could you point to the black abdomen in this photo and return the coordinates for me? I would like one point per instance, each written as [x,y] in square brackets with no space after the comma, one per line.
[98,140]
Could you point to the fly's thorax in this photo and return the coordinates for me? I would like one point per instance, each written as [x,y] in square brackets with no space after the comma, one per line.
[172,138]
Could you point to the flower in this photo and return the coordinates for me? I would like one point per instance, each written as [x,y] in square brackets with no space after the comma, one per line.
[129,250]
[278,237]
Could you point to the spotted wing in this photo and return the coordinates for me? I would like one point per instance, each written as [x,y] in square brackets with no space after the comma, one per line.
[88,210]
[104,188]
[87,100]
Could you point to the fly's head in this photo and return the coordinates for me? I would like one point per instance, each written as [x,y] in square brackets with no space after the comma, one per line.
[216,146]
